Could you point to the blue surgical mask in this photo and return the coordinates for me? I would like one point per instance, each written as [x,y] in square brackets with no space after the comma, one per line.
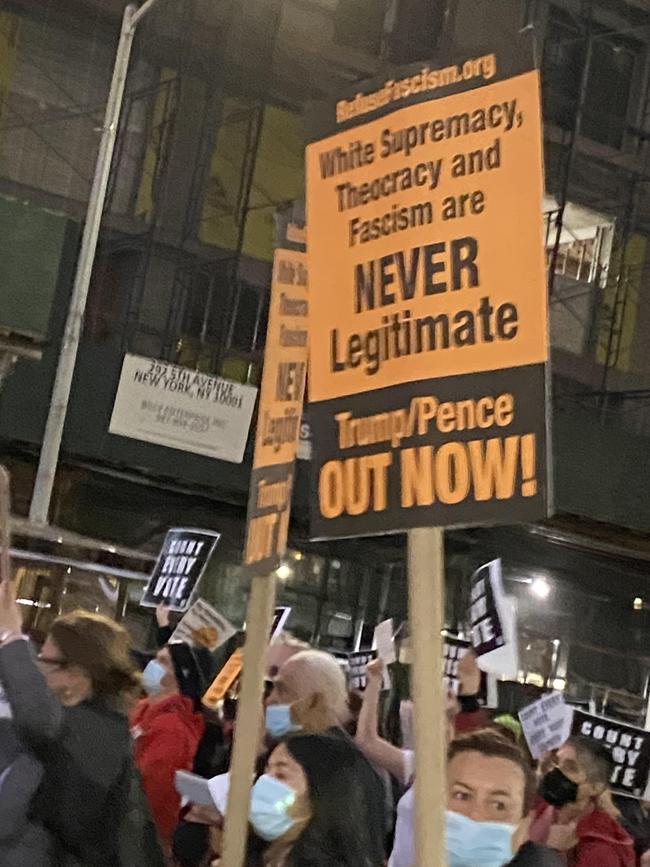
[152,677]
[278,721]
[477,844]
[270,803]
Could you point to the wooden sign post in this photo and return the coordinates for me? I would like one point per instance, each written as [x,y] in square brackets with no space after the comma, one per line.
[278,429]
[428,336]
[249,722]
[5,525]
[426,576]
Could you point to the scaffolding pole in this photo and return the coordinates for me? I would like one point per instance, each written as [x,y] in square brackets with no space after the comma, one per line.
[49,457]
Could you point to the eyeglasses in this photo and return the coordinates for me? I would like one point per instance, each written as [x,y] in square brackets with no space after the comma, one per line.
[47,660]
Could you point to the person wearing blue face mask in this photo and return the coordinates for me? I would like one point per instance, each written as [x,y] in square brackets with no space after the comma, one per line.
[309,691]
[168,725]
[489,789]
[311,807]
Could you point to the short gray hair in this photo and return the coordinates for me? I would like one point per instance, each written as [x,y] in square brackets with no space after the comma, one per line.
[321,672]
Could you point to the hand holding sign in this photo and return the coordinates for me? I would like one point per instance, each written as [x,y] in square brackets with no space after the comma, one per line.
[162,615]
[469,675]
[375,670]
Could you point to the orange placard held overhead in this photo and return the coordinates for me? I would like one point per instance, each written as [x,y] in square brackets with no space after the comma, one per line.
[280,412]
[428,308]
[224,681]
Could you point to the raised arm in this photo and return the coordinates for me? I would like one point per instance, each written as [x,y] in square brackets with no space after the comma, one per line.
[37,713]
[379,751]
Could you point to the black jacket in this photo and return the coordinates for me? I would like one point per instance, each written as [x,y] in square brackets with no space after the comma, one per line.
[534,855]
[85,800]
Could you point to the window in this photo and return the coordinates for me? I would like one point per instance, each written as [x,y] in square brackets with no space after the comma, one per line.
[359,24]
[278,177]
[562,68]
[612,70]
[54,81]
[611,75]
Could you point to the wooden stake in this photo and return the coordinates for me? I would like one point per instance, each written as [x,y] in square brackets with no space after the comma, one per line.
[426,570]
[5,525]
[259,619]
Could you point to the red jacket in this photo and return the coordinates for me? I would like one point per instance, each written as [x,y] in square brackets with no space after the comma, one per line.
[469,721]
[167,734]
[602,841]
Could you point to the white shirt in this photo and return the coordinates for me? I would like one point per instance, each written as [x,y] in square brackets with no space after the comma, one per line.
[403,854]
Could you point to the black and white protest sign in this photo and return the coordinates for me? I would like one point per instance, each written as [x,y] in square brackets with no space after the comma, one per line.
[454,650]
[546,724]
[357,663]
[280,617]
[487,629]
[179,567]
[630,749]
[493,622]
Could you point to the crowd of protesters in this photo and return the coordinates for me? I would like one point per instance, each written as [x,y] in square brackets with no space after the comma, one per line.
[92,734]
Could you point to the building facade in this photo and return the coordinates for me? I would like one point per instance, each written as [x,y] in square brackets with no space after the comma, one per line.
[209,151]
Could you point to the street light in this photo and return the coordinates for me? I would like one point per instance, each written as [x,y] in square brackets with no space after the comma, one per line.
[284,571]
[49,458]
[540,587]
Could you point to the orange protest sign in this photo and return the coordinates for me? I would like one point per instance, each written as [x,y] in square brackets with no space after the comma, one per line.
[280,412]
[219,687]
[428,313]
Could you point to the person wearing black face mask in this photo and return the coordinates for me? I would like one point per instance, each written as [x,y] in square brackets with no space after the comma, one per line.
[557,789]
[577,815]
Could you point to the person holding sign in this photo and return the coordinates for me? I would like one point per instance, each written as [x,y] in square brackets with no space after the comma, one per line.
[577,815]
[69,708]
[167,727]
[463,714]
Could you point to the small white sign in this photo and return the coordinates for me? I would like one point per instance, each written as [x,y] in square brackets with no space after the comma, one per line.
[546,724]
[384,643]
[162,403]
[203,626]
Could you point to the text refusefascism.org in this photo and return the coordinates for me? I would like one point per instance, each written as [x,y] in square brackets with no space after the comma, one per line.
[426,80]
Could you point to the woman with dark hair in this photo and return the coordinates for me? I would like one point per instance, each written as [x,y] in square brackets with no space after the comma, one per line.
[68,709]
[328,821]
[318,804]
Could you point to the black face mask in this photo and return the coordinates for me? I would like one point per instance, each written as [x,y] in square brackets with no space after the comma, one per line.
[557,789]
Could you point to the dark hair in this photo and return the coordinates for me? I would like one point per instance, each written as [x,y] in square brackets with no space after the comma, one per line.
[347,798]
[101,648]
[493,744]
[595,759]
